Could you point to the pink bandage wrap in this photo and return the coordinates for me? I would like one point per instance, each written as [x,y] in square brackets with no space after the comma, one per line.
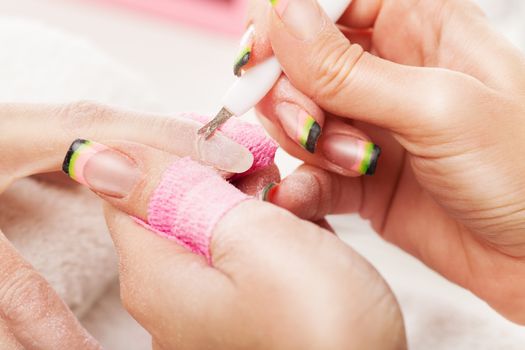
[192,198]
[189,202]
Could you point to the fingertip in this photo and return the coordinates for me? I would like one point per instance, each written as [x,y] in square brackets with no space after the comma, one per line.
[299,193]
[257,181]
[298,116]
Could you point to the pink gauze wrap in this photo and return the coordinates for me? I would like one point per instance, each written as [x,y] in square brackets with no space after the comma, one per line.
[192,198]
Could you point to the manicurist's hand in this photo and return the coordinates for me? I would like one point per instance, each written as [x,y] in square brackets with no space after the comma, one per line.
[443,95]
[33,139]
[203,266]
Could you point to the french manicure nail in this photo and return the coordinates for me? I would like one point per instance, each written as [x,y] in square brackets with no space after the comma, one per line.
[303,18]
[101,168]
[268,192]
[351,153]
[245,50]
[299,125]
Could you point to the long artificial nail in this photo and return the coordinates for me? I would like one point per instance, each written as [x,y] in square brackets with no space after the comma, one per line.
[351,153]
[268,192]
[245,51]
[101,168]
[225,154]
[303,18]
[299,125]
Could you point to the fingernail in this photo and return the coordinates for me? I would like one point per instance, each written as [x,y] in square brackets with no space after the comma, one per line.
[101,168]
[268,192]
[303,18]
[245,50]
[299,125]
[351,153]
[225,154]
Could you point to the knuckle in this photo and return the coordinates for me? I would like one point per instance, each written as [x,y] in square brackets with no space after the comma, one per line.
[81,117]
[448,102]
[333,64]
[24,296]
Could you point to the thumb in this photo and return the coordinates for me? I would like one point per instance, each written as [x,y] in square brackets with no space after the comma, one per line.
[346,81]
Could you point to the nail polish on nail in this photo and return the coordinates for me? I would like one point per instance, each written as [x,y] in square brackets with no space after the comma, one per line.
[299,125]
[303,18]
[245,53]
[351,153]
[268,192]
[101,168]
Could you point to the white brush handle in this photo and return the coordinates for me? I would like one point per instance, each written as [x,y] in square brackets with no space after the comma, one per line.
[251,88]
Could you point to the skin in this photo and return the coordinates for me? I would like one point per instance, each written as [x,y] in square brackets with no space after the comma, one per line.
[244,301]
[32,315]
[449,160]
[277,282]
[443,94]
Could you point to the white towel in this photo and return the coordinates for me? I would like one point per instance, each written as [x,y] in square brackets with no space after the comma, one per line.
[61,231]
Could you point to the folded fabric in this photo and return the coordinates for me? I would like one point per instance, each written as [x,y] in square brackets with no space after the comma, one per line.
[61,229]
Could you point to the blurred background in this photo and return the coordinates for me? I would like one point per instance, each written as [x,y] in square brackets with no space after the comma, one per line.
[174,45]
[175,56]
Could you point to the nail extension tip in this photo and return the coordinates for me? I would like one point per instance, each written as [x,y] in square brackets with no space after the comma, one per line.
[374,158]
[241,62]
[265,193]
[313,137]
[70,152]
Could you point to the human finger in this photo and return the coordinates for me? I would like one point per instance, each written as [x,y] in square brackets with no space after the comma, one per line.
[166,287]
[8,340]
[38,149]
[338,146]
[346,81]
[33,311]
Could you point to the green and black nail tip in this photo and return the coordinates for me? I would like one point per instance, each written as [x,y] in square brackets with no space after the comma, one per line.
[241,61]
[374,158]
[70,155]
[313,137]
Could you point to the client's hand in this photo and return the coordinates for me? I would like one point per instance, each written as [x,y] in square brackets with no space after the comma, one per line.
[32,140]
[261,278]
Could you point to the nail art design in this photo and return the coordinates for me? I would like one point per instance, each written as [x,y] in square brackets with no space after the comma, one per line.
[279,5]
[268,192]
[308,132]
[351,153]
[77,157]
[245,53]
[299,125]
[369,154]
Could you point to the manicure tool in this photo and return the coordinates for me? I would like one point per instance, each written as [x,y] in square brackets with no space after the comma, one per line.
[253,85]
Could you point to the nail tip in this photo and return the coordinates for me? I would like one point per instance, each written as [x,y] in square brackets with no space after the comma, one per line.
[241,62]
[248,164]
[265,193]
[70,152]
[374,158]
[313,137]
[243,164]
